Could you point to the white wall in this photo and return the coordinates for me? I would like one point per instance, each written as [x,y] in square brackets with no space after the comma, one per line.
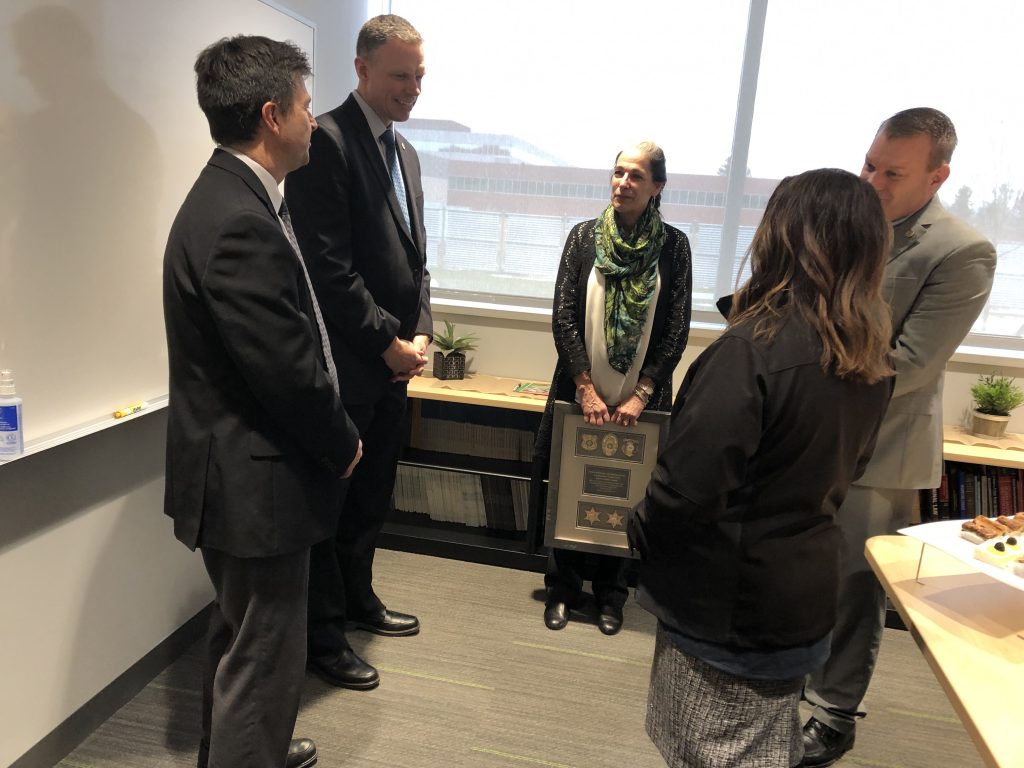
[91,577]
[960,376]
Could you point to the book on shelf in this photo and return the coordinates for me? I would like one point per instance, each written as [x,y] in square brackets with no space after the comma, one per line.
[440,481]
[498,505]
[443,436]
[1004,485]
[476,501]
[966,483]
[968,490]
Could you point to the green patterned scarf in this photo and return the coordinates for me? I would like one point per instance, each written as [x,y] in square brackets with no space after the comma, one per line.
[630,269]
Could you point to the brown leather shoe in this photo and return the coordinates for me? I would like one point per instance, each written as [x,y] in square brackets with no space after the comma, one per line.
[388,623]
[346,670]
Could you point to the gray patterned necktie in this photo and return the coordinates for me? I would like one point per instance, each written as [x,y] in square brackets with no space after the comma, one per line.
[325,344]
[388,137]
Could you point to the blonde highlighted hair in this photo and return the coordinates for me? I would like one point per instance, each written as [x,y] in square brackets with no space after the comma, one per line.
[820,251]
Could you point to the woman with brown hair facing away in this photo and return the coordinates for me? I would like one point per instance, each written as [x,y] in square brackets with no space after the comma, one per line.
[772,423]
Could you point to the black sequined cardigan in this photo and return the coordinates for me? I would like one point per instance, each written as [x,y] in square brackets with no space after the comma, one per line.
[668,333]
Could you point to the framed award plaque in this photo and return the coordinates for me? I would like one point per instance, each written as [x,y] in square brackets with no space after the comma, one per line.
[597,475]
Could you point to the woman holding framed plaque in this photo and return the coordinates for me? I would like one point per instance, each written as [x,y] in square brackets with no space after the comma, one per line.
[620,321]
[737,532]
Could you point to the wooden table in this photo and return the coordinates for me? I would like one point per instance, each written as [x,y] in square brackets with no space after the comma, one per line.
[970,628]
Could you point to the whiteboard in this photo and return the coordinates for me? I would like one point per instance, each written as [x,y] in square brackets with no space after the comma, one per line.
[100,140]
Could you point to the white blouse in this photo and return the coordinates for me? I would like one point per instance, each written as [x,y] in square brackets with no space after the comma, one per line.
[612,386]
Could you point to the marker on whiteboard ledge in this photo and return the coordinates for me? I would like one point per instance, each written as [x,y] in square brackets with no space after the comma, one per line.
[120,414]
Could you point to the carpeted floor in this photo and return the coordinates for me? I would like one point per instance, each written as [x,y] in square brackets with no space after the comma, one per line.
[486,685]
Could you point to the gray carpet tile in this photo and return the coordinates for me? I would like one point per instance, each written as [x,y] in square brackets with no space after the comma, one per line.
[486,685]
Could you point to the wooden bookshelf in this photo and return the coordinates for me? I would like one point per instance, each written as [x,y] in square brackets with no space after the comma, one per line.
[417,531]
[960,445]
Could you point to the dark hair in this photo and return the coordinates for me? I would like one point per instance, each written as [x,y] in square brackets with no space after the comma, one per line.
[930,122]
[235,77]
[820,251]
[378,30]
[656,160]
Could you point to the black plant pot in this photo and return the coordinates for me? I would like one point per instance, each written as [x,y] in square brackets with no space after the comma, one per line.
[450,366]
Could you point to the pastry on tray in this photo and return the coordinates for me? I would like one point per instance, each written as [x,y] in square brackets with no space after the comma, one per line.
[1015,524]
[1000,553]
[982,529]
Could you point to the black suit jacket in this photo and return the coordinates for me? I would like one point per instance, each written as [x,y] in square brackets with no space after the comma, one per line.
[369,269]
[256,436]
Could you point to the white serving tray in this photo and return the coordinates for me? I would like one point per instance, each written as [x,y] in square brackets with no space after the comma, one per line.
[945,535]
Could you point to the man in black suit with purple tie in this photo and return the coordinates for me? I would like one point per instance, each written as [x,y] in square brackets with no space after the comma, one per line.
[358,213]
[257,436]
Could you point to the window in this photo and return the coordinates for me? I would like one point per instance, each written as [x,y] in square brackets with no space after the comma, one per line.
[831,72]
[518,130]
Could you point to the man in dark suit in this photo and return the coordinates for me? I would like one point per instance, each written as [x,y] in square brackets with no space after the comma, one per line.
[937,281]
[358,213]
[257,436]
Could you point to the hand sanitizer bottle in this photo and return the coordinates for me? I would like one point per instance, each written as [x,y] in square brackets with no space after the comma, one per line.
[12,440]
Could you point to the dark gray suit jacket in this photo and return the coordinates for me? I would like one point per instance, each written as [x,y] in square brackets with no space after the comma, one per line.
[256,436]
[369,268]
[937,281]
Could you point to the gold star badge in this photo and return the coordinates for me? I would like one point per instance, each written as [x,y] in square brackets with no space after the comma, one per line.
[614,519]
[592,515]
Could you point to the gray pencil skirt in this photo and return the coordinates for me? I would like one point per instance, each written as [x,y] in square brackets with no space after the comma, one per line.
[701,717]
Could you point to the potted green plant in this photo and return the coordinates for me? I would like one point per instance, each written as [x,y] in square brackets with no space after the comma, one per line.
[994,398]
[450,359]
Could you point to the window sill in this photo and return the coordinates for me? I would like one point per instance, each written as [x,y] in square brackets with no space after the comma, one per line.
[702,330]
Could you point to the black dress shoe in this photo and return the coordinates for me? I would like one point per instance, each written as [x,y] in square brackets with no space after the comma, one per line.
[609,619]
[345,670]
[301,754]
[556,615]
[389,623]
[824,745]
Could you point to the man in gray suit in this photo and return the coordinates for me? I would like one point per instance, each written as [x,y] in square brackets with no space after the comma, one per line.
[937,280]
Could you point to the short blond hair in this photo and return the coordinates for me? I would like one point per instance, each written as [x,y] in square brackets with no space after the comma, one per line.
[380,29]
[928,122]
